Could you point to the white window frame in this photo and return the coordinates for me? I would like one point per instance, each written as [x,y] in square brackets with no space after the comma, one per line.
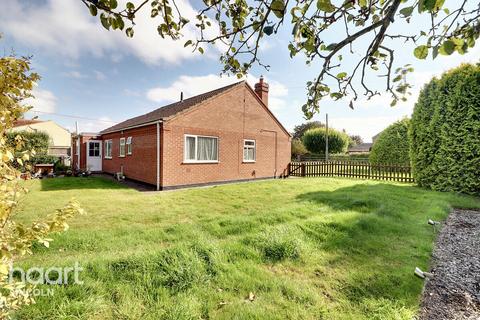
[254,147]
[185,160]
[108,149]
[129,145]
[121,147]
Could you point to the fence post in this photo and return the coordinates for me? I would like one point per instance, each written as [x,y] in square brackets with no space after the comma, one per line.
[302,172]
[289,169]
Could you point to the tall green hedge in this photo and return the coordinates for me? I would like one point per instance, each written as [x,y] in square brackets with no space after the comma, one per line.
[445,132]
[314,140]
[392,145]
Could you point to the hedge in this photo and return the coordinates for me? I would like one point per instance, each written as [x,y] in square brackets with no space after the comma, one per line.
[314,140]
[392,145]
[445,132]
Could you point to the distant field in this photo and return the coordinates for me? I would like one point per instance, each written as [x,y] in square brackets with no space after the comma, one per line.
[310,248]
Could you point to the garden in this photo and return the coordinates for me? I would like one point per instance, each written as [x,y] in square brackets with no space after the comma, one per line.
[311,248]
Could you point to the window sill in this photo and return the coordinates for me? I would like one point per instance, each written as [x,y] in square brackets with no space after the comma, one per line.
[249,161]
[108,158]
[200,162]
[121,156]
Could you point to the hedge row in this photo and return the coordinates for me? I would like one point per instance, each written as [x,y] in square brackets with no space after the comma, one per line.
[445,132]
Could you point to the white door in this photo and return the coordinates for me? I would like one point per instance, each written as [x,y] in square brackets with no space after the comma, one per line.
[94,155]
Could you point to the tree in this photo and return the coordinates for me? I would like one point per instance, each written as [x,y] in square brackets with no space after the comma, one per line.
[16,239]
[392,145]
[241,25]
[315,141]
[445,132]
[298,149]
[299,130]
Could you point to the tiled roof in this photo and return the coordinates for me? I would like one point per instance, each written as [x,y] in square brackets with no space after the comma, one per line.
[25,122]
[363,147]
[168,110]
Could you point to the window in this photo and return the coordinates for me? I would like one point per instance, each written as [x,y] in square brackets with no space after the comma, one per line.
[249,151]
[108,149]
[122,147]
[94,149]
[129,145]
[201,149]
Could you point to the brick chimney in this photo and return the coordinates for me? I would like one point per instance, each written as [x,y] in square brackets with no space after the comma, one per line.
[261,89]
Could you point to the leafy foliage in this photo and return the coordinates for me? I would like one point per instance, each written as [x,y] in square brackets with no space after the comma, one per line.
[240,26]
[392,144]
[298,149]
[445,132]
[315,140]
[299,130]
[16,239]
[32,140]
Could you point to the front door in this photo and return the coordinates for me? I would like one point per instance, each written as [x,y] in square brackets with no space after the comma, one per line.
[94,155]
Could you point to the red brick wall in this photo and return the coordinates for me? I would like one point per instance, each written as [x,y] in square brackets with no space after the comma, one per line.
[231,120]
[141,165]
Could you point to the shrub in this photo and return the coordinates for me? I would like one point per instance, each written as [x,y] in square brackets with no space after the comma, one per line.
[32,140]
[392,144]
[300,130]
[445,132]
[298,149]
[314,141]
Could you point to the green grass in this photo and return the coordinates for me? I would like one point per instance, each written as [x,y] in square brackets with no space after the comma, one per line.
[306,248]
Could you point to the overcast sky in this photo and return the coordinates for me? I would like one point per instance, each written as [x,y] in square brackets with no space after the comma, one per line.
[102,77]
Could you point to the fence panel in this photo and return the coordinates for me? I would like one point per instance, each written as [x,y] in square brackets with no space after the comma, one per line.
[352,169]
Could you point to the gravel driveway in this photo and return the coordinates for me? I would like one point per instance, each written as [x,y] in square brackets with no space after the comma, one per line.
[454,290]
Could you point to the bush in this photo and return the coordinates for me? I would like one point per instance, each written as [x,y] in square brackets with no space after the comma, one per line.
[300,130]
[314,141]
[32,140]
[445,132]
[298,149]
[392,144]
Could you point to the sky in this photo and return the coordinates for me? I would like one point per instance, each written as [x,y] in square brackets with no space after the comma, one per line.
[98,78]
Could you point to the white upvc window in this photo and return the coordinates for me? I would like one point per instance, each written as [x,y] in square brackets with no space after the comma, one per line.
[129,145]
[249,151]
[122,148]
[200,149]
[108,149]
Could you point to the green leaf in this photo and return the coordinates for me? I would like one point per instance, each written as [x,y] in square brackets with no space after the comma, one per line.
[104,21]
[200,49]
[268,30]
[341,75]
[325,5]
[93,10]
[113,4]
[447,48]
[130,6]
[407,11]
[278,8]
[421,52]
[189,42]
[129,32]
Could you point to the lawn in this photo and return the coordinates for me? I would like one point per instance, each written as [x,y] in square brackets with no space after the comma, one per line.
[312,248]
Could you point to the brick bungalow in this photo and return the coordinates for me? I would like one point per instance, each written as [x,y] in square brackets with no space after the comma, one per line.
[227,134]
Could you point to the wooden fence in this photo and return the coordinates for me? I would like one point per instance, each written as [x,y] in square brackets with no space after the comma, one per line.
[352,169]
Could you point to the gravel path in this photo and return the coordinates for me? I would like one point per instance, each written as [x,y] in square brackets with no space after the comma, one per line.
[454,290]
